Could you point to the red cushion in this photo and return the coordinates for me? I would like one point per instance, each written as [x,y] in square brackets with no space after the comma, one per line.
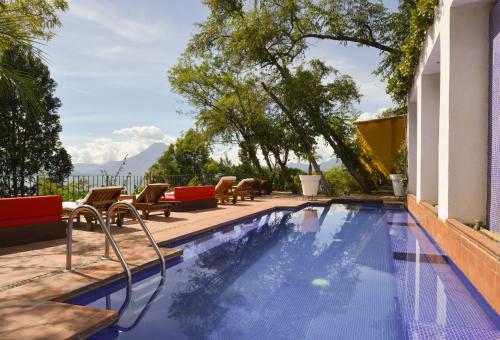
[195,193]
[31,220]
[168,197]
[30,210]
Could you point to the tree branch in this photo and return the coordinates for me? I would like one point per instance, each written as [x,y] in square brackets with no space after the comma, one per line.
[366,42]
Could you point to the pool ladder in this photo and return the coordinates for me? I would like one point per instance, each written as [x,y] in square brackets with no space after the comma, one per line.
[106,228]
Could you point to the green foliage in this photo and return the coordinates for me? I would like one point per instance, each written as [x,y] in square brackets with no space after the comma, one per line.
[70,191]
[401,161]
[194,181]
[192,152]
[29,138]
[188,156]
[341,182]
[37,18]
[416,17]
[22,24]
[266,41]
[244,72]
[392,112]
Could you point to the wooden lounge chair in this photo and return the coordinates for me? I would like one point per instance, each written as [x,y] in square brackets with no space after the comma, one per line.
[99,198]
[149,200]
[244,189]
[223,190]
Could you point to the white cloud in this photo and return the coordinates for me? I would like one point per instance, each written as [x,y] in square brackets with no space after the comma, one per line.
[152,133]
[229,151]
[107,15]
[104,149]
[370,115]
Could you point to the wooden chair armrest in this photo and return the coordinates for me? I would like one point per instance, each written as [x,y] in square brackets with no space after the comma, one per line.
[127,197]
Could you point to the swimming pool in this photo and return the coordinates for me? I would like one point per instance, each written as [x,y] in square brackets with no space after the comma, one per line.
[338,271]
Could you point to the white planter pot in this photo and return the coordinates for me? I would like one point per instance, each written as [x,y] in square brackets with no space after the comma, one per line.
[310,184]
[397,185]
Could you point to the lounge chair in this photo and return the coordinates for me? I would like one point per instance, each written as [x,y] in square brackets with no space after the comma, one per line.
[223,190]
[244,189]
[99,198]
[150,200]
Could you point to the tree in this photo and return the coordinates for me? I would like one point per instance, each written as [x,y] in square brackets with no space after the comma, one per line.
[268,39]
[29,139]
[192,152]
[22,24]
[190,155]
[165,165]
[231,108]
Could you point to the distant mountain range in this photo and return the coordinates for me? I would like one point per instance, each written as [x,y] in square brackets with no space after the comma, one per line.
[325,166]
[135,165]
[140,163]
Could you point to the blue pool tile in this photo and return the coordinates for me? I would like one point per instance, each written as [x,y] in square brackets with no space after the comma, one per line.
[431,331]
[345,271]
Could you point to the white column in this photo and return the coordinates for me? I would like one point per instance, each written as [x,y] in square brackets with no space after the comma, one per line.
[412,146]
[427,138]
[463,123]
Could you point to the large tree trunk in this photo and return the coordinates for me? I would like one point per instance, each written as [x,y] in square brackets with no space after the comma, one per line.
[352,162]
[252,155]
[265,153]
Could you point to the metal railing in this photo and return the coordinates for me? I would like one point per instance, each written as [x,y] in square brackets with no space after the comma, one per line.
[128,206]
[76,187]
[106,231]
[109,240]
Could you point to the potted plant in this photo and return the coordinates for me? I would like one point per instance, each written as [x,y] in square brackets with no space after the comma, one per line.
[400,176]
[310,183]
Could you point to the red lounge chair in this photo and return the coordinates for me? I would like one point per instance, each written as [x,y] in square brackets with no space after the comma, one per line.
[30,219]
[192,198]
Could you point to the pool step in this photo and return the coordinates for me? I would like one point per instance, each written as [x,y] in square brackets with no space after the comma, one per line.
[22,319]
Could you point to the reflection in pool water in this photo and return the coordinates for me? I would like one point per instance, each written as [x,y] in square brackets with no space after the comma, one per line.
[340,271]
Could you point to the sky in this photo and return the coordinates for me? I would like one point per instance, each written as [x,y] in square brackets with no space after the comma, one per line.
[111,58]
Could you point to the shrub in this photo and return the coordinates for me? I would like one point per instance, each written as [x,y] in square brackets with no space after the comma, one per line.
[194,181]
[341,181]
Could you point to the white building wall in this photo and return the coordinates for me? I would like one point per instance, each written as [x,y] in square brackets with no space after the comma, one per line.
[450,94]
[412,147]
[427,138]
[463,124]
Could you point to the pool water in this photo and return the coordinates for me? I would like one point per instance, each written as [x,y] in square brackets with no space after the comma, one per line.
[325,272]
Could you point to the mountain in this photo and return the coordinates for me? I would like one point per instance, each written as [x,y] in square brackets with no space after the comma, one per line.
[136,165]
[325,166]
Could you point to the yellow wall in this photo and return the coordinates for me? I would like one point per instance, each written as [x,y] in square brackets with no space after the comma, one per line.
[381,139]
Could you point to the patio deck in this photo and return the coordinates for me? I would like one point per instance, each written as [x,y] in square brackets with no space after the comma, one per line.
[32,277]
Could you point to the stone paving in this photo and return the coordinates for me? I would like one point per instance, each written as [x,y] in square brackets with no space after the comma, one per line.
[32,277]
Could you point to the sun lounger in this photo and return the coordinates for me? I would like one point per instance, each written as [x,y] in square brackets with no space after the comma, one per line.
[223,190]
[150,200]
[244,189]
[99,198]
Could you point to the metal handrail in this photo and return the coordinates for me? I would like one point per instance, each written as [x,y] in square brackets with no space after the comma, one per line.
[109,239]
[126,205]
[126,304]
